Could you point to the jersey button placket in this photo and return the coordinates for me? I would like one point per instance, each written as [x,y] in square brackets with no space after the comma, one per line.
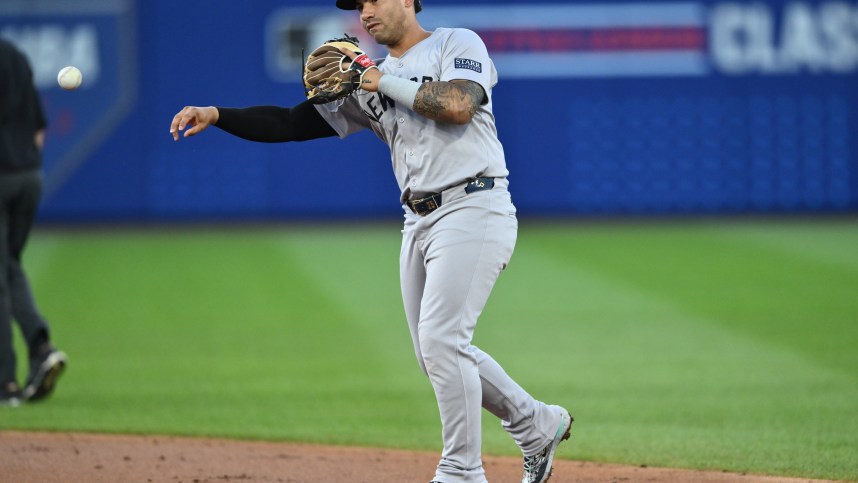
[411,161]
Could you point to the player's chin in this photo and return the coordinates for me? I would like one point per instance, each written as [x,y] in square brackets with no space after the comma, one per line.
[379,36]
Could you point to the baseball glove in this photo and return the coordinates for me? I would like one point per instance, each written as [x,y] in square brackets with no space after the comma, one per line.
[330,74]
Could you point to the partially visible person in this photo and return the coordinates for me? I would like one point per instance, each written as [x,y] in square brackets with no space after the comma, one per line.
[22,134]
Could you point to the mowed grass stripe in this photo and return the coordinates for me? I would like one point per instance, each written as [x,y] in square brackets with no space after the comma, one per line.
[38,254]
[358,269]
[830,242]
[201,319]
[669,381]
[655,384]
[232,330]
[359,272]
[298,334]
[779,297]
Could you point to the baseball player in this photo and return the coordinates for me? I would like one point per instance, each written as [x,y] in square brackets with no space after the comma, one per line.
[430,101]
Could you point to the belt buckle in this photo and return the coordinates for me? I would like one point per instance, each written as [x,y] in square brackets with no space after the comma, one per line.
[424,206]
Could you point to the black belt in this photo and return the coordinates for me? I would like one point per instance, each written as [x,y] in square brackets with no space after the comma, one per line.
[430,203]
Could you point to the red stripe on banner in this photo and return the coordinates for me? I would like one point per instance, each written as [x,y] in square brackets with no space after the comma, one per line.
[594,40]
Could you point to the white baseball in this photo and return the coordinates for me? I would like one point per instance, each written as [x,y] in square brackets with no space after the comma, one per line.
[69,77]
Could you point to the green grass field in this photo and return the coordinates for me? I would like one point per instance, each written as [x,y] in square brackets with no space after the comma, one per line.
[725,345]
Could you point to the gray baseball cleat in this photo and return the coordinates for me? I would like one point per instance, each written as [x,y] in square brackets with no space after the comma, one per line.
[537,468]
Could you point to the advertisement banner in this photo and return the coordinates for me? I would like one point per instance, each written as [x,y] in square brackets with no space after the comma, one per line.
[97,37]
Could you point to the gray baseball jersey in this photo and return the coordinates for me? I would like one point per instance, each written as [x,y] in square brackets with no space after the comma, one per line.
[451,257]
[429,156]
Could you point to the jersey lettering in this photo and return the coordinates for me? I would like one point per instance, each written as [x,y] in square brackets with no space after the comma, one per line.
[379,103]
[376,110]
[374,113]
[385,101]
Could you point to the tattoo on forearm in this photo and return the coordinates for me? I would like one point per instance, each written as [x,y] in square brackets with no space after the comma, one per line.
[474,95]
[436,100]
[432,98]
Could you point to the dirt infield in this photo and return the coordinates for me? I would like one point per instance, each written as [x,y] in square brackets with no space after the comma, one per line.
[73,457]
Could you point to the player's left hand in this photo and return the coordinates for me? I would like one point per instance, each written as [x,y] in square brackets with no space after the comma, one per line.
[330,73]
[198,118]
[369,79]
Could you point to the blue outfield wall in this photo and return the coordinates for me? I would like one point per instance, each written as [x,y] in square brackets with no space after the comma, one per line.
[604,108]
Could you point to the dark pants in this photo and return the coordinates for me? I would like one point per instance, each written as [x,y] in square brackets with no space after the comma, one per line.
[20,194]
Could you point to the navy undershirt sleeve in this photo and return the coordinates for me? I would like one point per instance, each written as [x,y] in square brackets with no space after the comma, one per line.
[273,124]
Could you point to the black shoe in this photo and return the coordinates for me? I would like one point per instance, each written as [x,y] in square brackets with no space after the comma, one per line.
[537,468]
[44,371]
[10,395]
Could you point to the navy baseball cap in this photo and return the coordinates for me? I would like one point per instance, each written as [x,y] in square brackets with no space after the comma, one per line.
[350,5]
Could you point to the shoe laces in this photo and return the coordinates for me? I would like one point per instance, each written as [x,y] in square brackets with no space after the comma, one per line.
[533,463]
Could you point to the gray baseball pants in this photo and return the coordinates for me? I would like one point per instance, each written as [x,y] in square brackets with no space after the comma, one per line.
[449,262]
[19,199]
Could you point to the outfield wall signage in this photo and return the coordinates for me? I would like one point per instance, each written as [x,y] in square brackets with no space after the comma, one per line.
[617,39]
[98,38]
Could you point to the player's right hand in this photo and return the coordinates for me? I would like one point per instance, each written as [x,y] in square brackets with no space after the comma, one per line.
[198,118]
